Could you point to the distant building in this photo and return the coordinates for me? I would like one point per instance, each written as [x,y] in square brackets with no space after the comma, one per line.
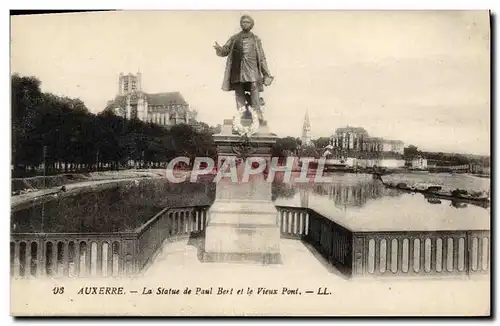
[418,163]
[479,169]
[306,131]
[165,109]
[354,146]
[357,140]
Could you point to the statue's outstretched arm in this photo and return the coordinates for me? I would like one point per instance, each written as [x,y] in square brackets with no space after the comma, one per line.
[223,51]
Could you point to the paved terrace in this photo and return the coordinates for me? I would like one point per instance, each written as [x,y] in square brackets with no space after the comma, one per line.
[177,267]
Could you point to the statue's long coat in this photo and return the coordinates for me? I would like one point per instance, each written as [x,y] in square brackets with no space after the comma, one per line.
[227,51]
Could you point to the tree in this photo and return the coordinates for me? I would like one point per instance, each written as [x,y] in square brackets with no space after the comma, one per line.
[76,138]
[285,146]
[321,142]
[26,99]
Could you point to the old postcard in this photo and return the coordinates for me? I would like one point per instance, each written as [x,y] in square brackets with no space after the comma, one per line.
[261,163]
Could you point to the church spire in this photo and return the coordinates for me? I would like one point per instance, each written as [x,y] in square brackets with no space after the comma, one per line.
[306,128]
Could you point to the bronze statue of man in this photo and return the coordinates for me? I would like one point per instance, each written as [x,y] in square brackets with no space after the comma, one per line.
[246,67]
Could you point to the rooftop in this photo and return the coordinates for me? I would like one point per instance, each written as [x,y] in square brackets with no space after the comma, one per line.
[358,130]
[154,99]
[167,98]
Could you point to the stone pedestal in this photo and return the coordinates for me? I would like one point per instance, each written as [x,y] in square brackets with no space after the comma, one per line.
[242,222]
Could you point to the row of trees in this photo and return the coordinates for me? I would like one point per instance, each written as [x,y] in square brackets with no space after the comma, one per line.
[449,159]
[63,134]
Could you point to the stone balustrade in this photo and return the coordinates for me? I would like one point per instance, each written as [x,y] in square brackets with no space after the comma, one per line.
[101,255]
[405,253]
[373,253]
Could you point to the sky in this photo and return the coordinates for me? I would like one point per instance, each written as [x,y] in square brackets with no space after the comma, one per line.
[422,77]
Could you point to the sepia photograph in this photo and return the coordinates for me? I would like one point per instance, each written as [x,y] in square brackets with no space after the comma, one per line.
[250,163]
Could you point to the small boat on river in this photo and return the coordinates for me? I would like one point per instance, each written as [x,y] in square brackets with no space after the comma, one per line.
[437,191]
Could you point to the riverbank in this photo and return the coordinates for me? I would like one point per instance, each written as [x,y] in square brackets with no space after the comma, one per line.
[20,186]
[448,181]
[464,188]
[83,183]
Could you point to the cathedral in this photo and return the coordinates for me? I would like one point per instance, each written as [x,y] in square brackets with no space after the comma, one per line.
[166,109]
[357,140]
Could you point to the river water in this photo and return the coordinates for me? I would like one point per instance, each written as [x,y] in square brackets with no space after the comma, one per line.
[356,201]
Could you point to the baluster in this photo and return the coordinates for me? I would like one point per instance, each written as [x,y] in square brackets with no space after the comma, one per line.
[479,252]
[289,222]
[193,220]
[286,221]
[177,217]
[181,222]
[388,255]
[450,254]
[422,255]
[297,218]
[400,256]
[41,258]
[433,253]
[178,222]
[462,255]
[411,255]
[196,220]
[170,223]
[88,257]
[455,254]
[55,267]
[47,266]
[121,259]
[27,260]
[190,221]
[17,262]
[369,260]
[65,259]
[77,259]
[301,223]
[445,254]
[283,222]
[185,222]
[427,254]
[99,258]
[202,221]
[109,270]
[279,212]
[307,218]
[485,262]
[295,222]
